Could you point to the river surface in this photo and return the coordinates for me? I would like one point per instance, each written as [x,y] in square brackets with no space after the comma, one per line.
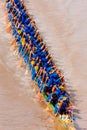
[63,25]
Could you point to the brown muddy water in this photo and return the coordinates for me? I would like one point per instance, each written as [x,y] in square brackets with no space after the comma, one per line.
[63,25]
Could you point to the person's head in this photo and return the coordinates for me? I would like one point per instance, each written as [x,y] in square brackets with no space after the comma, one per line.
[27,17]
[22,6]
[21,34]
[10,9]
[33,23]
[40,39]
[60,103]
[54,95]
[47,51]
[45,89]
[34,49]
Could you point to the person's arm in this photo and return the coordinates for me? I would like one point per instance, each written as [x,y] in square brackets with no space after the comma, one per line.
[49,98]
[36,33]
[56,110]
[39,38]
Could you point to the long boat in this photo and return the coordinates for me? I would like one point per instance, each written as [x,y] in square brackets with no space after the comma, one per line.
[28,41]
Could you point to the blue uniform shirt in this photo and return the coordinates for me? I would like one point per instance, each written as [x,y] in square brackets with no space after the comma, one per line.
[16,1]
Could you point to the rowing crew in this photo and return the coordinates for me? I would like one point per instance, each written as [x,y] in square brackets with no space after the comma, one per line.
[33,50]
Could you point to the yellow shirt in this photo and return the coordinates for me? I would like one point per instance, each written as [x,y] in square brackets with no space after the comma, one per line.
[19,31]
[63,88]
[32,62]
[23,41]
[36,68]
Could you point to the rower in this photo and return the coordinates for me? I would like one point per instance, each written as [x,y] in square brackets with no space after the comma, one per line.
[53,97]
[56,92]
[47,90]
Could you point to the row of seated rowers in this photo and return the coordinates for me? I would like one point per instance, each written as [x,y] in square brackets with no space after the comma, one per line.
[35,54]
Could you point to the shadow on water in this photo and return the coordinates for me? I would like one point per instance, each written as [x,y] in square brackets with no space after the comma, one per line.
[74,100]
